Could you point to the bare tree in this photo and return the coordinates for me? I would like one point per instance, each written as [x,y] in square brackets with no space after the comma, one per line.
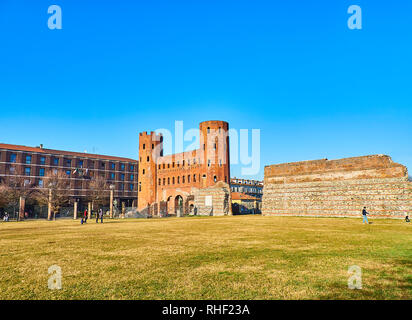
[55,192]
[14,192]
[3,195]
[99,191]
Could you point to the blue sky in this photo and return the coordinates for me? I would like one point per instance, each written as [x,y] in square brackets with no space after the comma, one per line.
[292,69]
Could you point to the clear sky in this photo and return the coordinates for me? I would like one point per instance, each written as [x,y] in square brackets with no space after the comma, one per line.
[292,69]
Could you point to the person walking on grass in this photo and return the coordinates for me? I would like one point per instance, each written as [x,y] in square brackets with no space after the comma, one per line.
[85,216]
[407,217]
[100,216]
[365,218]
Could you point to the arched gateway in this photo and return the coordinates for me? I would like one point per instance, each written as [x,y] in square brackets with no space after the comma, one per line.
[179,205]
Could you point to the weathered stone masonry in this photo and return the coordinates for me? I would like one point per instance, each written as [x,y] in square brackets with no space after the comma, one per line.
[220,200]
[338,188]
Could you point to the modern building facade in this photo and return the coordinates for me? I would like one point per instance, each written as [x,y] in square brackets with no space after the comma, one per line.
[167,183]
[35,163]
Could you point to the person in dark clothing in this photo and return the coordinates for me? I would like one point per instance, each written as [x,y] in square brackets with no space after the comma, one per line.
[407,219]
[365,218]
[100,216]
[85,216]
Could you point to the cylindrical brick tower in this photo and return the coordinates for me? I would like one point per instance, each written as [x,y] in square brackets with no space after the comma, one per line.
[214,150]
[150,148]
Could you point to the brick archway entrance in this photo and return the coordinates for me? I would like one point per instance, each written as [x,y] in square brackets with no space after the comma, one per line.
[179,209]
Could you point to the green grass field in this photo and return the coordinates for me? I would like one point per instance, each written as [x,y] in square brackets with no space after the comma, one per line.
[241,257]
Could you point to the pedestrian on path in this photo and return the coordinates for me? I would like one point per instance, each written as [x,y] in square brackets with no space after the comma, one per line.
[100,216]
[365,218]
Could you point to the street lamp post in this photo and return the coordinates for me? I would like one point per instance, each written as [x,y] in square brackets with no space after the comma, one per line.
[111,200]
[75,209]
[49,209]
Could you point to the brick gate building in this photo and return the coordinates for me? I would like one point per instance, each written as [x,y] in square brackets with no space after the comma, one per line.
[168,183]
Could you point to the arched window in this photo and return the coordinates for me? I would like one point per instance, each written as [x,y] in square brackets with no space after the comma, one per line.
[160,181]
[183,179]
[194,178]
[144,146]
[208,163]
[164,181]
[168,180]
[208,129]
[173,180]
[178,179]
[148,159]
[143,171]
[168,165]
[214,178]
[188,179]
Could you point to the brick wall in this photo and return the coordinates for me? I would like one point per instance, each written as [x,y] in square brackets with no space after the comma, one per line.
[338,188]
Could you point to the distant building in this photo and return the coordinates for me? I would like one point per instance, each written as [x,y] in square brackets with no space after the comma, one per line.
[252,188]
[35,163]
[245,204]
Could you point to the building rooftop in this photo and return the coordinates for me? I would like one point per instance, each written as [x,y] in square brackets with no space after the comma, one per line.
[243,196]
[60,152]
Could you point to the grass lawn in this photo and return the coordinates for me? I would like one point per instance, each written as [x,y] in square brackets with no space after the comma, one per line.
[240,257]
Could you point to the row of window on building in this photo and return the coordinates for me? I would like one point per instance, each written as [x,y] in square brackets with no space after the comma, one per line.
[247,190]
[41,173]
[174,180]
[172,165]
[40,183]
[245,181]
[69,162]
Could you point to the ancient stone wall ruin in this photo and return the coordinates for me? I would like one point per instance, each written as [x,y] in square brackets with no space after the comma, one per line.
[338,188]
[213,201]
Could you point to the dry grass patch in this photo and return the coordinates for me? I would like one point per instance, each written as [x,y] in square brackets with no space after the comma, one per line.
[243,257]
